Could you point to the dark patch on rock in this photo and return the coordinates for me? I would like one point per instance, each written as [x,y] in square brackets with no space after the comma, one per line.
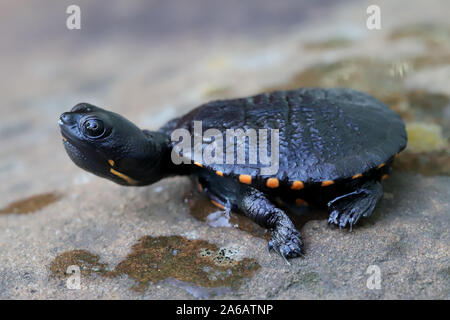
[195,261]
[85,260]
[154,259]
[31,204]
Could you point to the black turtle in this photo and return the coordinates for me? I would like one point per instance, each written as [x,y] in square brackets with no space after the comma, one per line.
[335,147]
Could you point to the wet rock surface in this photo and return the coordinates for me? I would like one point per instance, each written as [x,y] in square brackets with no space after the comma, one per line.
[54,215]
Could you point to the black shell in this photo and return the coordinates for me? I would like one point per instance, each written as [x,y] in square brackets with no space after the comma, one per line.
[324,134]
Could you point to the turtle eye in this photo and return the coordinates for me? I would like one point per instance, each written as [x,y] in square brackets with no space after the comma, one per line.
[93,128]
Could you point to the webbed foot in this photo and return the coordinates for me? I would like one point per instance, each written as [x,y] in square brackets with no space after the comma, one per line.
[349,208]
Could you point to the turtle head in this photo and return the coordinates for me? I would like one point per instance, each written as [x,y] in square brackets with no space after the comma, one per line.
[110,146]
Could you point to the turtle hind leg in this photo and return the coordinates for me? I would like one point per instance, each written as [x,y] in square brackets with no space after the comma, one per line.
[347,209]
[254,204]
[286,239]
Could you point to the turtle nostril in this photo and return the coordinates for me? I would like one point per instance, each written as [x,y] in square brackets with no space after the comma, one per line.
[65,117]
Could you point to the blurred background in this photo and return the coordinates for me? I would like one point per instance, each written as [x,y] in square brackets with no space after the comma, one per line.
[154,60]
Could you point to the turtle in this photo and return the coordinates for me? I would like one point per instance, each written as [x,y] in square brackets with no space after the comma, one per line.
[335,146]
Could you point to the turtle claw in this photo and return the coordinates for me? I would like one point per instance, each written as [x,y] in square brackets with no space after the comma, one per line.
[269,246]
[286,242]
[348,218]
[285,259]
[332,219]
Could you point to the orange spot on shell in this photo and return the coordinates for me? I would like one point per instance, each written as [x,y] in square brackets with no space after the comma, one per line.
[111,163]
[297,185]
[301,202]
[272,183]
[219,173]
[396,156]
[381,165]
[245,178]
[384,176]
[356,176]
[198,164]
[218,205]
[327,183]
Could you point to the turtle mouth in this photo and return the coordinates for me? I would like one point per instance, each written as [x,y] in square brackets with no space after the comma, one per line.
[82,153]
[69,145]
[64,138]
[85,157]
[65,133]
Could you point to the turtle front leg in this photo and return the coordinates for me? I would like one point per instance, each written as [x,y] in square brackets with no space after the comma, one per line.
[286,239]
[349,208]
